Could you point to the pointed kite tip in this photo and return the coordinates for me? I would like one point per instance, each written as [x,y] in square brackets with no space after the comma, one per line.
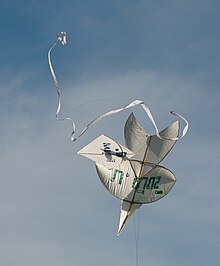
[118,233]
[120,229]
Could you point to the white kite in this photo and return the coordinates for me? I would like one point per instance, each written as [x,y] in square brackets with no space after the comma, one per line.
[132,172]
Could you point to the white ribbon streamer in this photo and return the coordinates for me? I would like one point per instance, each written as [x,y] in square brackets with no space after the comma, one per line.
[62,38]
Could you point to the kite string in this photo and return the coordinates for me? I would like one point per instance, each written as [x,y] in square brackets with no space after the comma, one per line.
[136,235]
[62,38]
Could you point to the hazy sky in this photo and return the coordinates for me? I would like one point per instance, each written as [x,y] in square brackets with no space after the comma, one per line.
[54,210]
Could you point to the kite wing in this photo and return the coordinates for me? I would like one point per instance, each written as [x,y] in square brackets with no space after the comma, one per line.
[122,182]
[135,137]
[150,149]
[144,146]
[106,152]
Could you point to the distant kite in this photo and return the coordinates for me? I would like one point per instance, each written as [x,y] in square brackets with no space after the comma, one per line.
[132,172]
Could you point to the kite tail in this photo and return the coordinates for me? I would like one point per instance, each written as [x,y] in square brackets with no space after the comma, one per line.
[62,38]
[149,114]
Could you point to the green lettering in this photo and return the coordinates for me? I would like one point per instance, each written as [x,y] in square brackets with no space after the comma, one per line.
[150,183]
[119,174]
[114,175]
[156,184]
[145,183]
[134,182]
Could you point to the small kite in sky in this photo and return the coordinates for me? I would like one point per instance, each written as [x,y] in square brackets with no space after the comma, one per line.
[132,172]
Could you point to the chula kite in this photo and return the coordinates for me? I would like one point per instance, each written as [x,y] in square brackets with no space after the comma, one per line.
[132,172]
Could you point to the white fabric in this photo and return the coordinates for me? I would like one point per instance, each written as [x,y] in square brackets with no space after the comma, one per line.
[135,137]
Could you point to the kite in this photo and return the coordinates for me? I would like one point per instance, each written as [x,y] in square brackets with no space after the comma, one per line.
[132,172]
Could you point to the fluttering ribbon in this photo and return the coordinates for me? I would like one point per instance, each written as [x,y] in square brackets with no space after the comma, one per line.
[61,37]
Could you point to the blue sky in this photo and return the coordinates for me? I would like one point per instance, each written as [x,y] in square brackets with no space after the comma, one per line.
[54,210]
